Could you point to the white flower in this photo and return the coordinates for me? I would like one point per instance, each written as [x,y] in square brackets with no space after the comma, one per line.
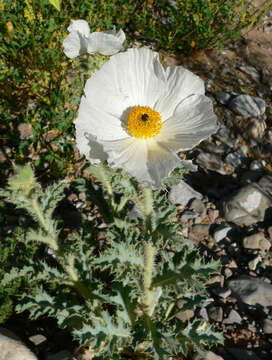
[137,115]
[81,40]
[76,42]
[106,43]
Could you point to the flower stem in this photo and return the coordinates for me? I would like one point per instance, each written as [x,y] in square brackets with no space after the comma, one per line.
[69,268]
[149,257]
[107,184]
[149,252]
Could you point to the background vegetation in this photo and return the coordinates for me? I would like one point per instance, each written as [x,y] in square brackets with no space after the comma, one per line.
[41,89]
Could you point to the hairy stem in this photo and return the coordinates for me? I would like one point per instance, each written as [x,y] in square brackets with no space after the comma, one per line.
[107,185]
[53,243]
[149,257]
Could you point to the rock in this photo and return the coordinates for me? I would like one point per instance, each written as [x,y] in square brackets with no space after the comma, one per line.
[212,356]
[252,291]
[182,194]
[228,273]
[37,339]
[215,313]
[248,205]
[221,292]
[269,230]
[247,105]
[243,354]
[223,97]
[252,265]
[236,159]
[218,149]
[256,128]
[184,315]
[222,231]
[267,326]
[209,356]
[250,70]
[256,241]
[188,214]
[233,318]
[213,162]
[257,165]
[204,314]
[213,214]
[198,206]
[223,133]
[11,349]
[266,183]
[199,232]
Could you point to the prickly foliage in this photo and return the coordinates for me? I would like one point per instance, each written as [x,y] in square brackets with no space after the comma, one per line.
[121,296]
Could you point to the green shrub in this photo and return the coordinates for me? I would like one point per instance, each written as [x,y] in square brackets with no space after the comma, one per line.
[122,296]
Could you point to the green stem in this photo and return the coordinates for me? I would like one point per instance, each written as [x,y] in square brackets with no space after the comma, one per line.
[107,185]
[149,257]
[45,225]
[53,243]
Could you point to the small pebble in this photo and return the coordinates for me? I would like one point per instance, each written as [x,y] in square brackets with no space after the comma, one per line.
[253,263]
[256,241]
[215,313]
[233,318]
[37,339]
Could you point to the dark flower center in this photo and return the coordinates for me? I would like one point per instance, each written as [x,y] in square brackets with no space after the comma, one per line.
[144,117]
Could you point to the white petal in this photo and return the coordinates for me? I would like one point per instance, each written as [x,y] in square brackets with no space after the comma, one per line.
[103,43]
[102,91]
[129,154]
[92,120]
[81,26]
[130,76]
[74,45]
[160,162]
[179,84]
[192,122]
[147,160]
[88,146]
[121,35]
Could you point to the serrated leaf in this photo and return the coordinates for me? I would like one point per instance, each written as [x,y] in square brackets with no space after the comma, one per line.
[124,299]
[122,253]
[199,335]
[16,273]
[160,353]
[102,328]
[52,195]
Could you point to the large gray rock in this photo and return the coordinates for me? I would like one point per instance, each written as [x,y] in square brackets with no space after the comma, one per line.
[266,183]
[11,349]
[248,205]
[182,194]
[247,105]
[256,241]
[252,291]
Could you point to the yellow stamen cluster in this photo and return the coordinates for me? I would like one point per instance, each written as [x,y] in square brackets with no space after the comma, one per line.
[143,122]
